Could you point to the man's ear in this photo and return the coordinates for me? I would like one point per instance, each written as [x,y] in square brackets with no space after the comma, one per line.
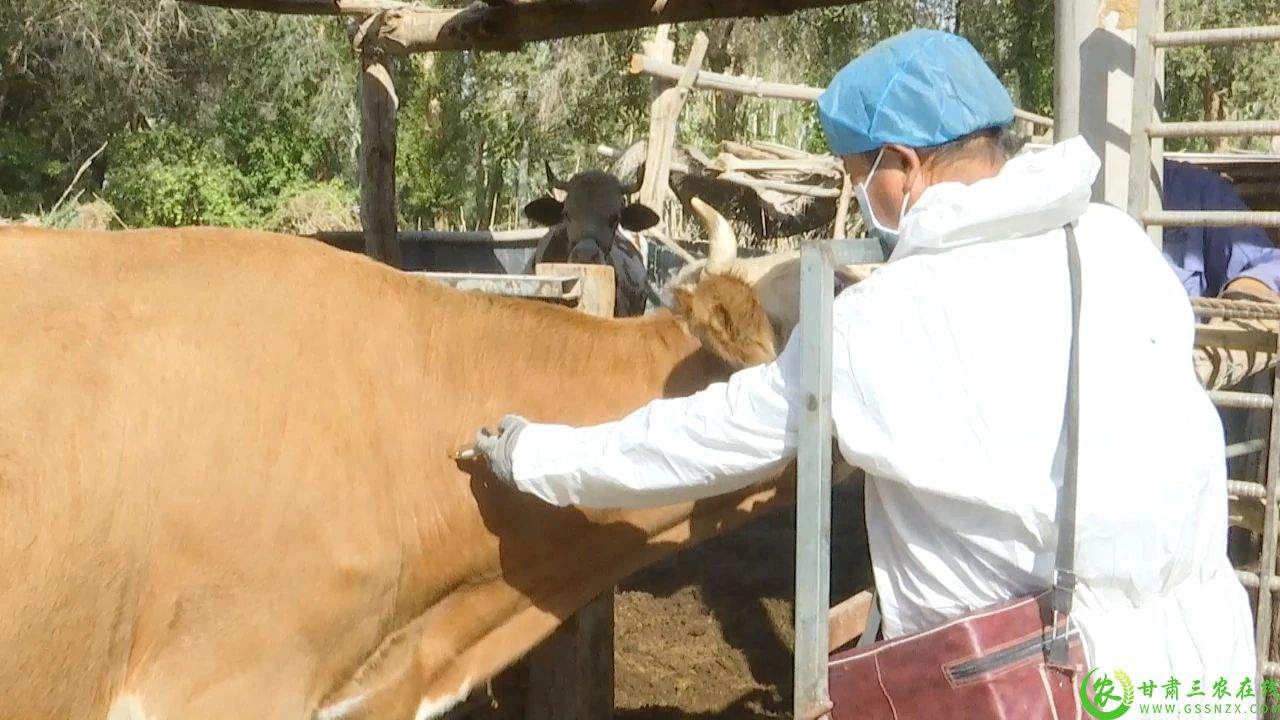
[546,211]
[638,216]
[912,169]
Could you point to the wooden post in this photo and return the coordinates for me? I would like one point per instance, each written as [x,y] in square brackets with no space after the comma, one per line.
[571,672]
[839,229]
[597,285]
[660,48]
[378,106]
[663,120]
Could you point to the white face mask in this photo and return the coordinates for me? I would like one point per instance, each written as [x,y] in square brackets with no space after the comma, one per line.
[887,236]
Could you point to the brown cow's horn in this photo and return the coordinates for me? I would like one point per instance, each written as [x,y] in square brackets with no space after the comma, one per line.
[553,182]
[722,241]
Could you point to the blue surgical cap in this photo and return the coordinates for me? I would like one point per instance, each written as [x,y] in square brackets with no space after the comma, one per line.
[919,88]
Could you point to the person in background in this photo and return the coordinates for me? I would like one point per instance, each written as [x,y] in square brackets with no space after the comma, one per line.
[1227,262]
[1232,263]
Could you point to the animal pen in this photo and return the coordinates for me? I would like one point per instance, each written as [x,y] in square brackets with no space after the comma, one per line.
[1105,46]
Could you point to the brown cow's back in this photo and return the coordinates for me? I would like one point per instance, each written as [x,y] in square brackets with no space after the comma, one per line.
[225,482]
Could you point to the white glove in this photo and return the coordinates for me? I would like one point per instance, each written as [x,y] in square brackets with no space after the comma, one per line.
[498,449]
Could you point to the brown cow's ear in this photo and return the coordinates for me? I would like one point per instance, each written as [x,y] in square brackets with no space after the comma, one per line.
[682,298]
[638,216]
[726,317]
[546,211]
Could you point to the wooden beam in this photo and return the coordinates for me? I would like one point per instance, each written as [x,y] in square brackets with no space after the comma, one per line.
[664,119]
[706,80]
[847,620]
[661,47]
[571,672]
[507,27]
[643,65]
[306,7]
[780,186]
[527,237]
[841,224]
[378,106]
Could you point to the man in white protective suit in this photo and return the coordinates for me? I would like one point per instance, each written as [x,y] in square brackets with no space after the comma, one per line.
[949,382]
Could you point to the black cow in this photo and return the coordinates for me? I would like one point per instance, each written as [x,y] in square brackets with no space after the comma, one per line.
[584,229]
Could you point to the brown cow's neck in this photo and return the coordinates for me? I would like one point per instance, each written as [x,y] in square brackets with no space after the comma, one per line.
[527,565]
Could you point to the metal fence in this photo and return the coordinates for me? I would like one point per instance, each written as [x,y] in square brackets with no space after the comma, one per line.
[1146,162]
[818,261]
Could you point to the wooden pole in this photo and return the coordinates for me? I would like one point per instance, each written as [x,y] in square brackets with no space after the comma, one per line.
[706,80]
[664,120]
[527,236]
[661,47]
[510,24]
[571,672]
[744,180]
[842,208]
[307,7]
[378,106]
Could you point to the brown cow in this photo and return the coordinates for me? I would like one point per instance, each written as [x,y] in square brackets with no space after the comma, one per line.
[226,489]
[775,277]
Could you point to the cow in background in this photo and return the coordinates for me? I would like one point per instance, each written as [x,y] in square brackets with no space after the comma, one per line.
[583,228]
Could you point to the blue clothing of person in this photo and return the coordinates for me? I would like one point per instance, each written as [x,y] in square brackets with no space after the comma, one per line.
[1206,259]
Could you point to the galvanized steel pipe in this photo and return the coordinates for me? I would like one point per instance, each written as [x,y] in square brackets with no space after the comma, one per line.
[1217,36]
[1246,489]
[1218,128]
[1242,309]
[1248,447]
[1211,218]
[1241,400]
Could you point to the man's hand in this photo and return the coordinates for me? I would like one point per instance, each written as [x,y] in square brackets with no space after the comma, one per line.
[1218,363]
[499,448]
[1247,288]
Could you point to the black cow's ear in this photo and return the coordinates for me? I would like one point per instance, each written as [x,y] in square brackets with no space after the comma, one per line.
[545,211]
[638,216]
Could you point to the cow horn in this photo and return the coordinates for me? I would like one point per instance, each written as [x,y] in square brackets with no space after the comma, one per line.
[722,242]
[634,187]
[552,181]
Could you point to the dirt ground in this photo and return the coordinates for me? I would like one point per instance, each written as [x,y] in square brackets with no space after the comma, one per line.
[708,633]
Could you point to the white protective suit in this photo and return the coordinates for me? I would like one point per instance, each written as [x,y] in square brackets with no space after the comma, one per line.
[950,375]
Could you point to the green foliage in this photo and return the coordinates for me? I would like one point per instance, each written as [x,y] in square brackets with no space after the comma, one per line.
[169,177]
[210,116]
[251,119]
[1016,38]
[472,126]
[312,207]
[1222,83]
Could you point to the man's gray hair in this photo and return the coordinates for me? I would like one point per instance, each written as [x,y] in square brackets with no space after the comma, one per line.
[999,143]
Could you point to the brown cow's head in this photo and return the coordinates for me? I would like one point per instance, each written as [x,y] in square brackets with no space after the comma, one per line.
[590,215]
[775,278]
[723,312]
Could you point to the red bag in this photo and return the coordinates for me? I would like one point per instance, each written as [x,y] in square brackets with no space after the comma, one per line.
[1019,660]
[991,664]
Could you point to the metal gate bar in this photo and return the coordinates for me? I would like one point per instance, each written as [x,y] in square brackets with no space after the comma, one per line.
[1216,36]
[818,260]
[1212,218]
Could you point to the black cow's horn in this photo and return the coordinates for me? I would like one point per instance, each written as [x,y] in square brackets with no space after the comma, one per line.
[634,187]
[554,182]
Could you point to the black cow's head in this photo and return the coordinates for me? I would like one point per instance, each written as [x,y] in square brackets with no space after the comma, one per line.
[590,215]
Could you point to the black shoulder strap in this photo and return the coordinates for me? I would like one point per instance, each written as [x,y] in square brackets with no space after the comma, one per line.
[1064,576]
